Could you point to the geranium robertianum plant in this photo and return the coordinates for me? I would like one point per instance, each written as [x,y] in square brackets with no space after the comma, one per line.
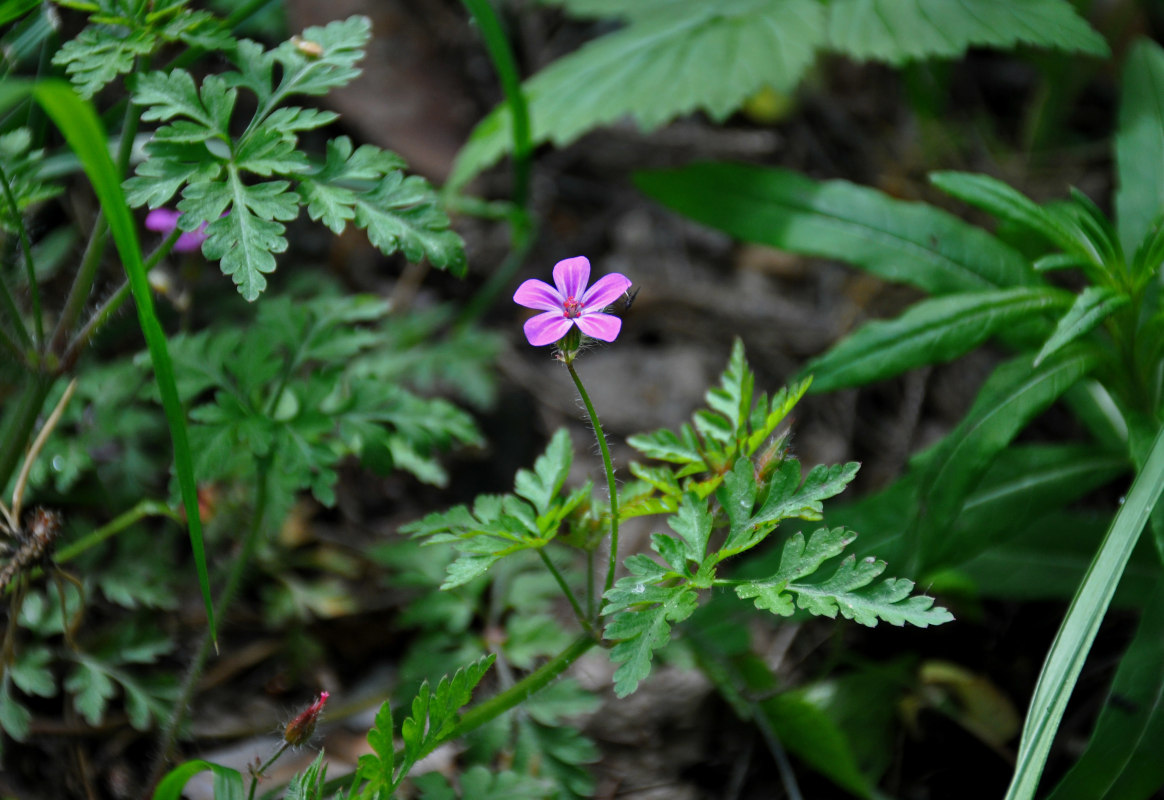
[723,485]
[979,506]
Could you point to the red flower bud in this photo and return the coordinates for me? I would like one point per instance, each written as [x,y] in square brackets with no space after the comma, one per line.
[299,730]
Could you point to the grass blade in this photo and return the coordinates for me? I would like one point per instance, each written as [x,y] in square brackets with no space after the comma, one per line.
[78,122]
[1072,643]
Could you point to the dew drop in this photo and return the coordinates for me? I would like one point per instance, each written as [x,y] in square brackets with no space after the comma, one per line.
[58,463]
[639,589]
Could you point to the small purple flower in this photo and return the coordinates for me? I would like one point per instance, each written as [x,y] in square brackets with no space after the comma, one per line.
[164,220]
[571,303]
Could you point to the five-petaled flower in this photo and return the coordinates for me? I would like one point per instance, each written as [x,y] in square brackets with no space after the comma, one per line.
[164,220]
[571,303]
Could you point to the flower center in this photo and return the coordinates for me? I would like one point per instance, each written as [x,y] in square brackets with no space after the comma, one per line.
[572,308]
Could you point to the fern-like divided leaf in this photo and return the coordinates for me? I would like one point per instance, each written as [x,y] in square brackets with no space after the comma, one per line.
[850,591]
[120,33]
[898,31]
[498,526]
[640,612]
[244,190]
[434,713]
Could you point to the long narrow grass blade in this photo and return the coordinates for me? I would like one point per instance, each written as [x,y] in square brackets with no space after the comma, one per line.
[78,122]
[1072,643]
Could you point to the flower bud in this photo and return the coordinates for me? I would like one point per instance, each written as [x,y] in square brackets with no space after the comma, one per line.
[299,730]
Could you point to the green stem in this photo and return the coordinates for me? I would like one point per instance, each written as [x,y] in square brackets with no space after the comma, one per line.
[590,584]
[145,508]
[565,587]
[29,265]
[20,424]
[109,307]
[517,694]
[609,467]
[501,54]
[234,580]
[267,765]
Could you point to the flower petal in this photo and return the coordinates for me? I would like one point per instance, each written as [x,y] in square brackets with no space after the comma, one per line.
[605,291]
[538,294]
[162,220]
[571,276]
[546,328]
[600,326]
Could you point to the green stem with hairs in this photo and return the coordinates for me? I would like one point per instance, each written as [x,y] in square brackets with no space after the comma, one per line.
[609,467]
[517,694]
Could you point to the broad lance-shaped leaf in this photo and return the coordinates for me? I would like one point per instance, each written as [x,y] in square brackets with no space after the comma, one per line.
[695,56]
[899,241]
[1139,144]
[898,31]
[931,332]
[1007,203]
[639,614]
[1013,395]
[1093,305]
[849,590]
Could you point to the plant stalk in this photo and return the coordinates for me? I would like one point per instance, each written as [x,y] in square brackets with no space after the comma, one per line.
[608,465]
[565,587]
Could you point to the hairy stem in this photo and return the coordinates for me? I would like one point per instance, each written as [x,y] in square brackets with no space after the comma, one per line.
[521,691]
[609,467]
[108,308]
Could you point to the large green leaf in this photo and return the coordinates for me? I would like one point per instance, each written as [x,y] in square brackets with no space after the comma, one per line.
[895,240]
[695,56]
[1092,306]
[1122,760]
[898,31]
[931,332]
[228,783]
[1007,203]
[1139,146]
[1013,395]
[1023,485]
[1049,557]
[1088,607]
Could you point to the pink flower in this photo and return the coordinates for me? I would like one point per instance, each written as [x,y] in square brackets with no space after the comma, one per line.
[164,220]
[571,303]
